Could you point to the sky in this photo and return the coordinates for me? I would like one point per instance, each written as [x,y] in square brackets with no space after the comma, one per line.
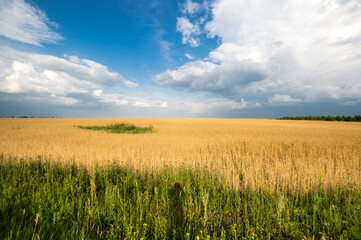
[155,58]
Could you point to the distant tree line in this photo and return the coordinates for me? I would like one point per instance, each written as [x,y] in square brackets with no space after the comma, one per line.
[29,117]
[356,118]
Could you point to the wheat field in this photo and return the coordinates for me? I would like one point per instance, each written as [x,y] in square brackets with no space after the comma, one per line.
[248,153]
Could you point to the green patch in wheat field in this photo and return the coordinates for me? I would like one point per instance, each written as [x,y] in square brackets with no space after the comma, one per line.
[120,128]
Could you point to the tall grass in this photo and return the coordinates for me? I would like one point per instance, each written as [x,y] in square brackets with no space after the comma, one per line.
[47,200]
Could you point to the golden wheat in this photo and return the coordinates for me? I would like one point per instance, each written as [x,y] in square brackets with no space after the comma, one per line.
[250,153]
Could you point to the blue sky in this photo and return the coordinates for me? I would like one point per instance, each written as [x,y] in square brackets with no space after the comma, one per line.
[219,58]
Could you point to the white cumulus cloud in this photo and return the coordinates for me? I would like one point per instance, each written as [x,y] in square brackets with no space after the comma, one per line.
[310,49]
[48,77]
[80,69]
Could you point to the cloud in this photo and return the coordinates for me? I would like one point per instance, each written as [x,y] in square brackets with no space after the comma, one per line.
[219,106]
[165,49]
[57,80]
[164,46]
[231,52]
[81,69]
[73,59]
[189,56]
[194,16]
[116,99]
[190,32]
[309,45]
[245,104]
[148,103]
[232,104]
[279,99]
[351,103]
[52,99]
[225,78]
[21,21]
[24,78]
[119,99]
[191,7]
[277,49]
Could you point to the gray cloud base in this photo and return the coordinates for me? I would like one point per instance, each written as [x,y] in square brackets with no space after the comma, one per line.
[225,78]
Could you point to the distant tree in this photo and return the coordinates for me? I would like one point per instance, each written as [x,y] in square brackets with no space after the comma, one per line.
[348,119]
[356,118]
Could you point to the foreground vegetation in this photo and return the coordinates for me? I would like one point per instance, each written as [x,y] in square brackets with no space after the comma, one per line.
[119,128]
[356,118]
[47,200]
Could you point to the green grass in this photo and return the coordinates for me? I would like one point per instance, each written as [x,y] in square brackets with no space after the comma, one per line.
[120,128]
[45,200]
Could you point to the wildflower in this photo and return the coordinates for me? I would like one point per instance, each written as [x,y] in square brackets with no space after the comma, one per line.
[187,234]
[145,225]
[197,238]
